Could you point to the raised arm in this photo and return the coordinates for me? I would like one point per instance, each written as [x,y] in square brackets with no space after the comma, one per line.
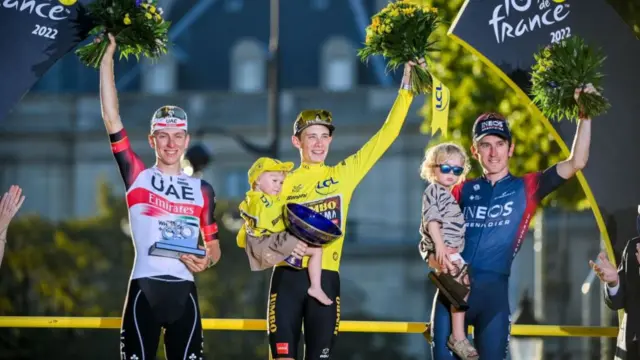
[108,92]
[580,149]
[129,162]
[9,205]
[358,164]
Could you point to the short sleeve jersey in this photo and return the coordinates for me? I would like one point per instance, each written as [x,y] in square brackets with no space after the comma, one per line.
[162,207]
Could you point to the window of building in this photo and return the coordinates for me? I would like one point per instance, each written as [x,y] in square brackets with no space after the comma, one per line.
[248,67]
[338,72]
[236,183]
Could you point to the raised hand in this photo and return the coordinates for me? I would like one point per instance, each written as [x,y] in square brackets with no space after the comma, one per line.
[9,205]
[111,48]
[605,271]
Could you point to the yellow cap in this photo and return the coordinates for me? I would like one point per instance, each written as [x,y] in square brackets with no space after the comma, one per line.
[265,164]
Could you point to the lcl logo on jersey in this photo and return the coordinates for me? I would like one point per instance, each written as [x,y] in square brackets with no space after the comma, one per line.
[325,187]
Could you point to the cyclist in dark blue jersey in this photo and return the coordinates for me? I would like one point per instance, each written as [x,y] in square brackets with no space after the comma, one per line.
[498,208]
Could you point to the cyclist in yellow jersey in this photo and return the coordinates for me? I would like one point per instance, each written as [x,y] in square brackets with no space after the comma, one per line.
[327,190]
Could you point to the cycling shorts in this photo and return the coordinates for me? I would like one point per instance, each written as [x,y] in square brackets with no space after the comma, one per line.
[290,307]
[161,302]
[488,312]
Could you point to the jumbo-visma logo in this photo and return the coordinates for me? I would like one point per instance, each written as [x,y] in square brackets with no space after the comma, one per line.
[326,187]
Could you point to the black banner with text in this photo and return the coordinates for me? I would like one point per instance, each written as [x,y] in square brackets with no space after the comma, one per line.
[36,34]
[506,34]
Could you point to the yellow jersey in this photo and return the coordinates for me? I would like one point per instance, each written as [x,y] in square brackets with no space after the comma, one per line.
[262,214]
[328,189]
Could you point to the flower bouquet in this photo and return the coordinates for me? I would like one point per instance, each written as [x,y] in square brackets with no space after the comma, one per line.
[560,69]
[137,25]
[400,32]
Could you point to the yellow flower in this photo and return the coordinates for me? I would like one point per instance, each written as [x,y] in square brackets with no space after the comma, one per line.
[368,39]
[152,9]
[375,22]
[387,21]
[127,20]
[144,5]
[158,18]
[148,16]
[409,11]
[394,12]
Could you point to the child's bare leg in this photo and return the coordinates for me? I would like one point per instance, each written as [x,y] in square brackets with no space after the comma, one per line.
[457,324]
[457,318]
[315,272]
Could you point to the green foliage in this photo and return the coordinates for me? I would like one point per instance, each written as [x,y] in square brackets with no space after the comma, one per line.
[559,70]
[138,27]
[400,32]
[475,89]
[74,268]
[629,11]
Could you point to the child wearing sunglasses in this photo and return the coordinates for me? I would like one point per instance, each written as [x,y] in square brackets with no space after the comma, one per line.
[443,227]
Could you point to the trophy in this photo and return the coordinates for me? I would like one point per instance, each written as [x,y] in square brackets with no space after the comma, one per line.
[310,227]
[178,238]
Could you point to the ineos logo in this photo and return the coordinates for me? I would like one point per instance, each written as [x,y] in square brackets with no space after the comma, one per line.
[492,212]
[493,124]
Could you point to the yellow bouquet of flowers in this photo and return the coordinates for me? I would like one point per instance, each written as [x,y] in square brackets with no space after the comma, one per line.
[400,32]
[137,25]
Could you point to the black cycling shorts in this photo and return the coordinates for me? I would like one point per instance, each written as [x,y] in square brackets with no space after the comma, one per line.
[156,303]
[290,306]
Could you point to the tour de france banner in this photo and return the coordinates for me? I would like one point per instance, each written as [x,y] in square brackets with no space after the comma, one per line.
[506,33]
[36,34]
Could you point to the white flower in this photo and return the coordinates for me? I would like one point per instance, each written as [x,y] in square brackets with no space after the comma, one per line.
[160,11]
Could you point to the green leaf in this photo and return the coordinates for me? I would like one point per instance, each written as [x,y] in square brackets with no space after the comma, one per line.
[568,65]
[147,37]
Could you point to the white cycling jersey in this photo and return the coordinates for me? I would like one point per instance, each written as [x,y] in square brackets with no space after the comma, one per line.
[162,208]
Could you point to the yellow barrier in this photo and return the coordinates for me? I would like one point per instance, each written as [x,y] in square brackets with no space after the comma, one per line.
[260,325]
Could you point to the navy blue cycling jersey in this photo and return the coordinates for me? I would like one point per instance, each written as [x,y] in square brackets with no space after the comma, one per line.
[498,216]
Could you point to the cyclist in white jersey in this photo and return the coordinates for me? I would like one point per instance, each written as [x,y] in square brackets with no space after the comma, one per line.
[162,202]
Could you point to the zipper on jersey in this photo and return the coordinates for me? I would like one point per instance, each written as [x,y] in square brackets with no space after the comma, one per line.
[475,250]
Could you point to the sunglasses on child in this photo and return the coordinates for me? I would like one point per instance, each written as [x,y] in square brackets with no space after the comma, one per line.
[446,168]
